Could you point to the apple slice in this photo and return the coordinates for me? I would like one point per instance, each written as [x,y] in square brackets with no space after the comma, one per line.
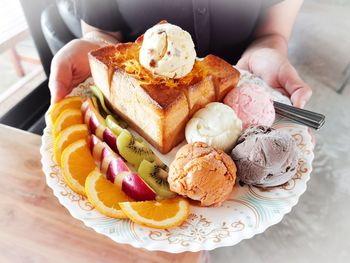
[116,171]
[135,187]
[133,150]
[96,124]
[108,161]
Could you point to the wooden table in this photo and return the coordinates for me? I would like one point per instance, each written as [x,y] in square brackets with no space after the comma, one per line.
[34,227]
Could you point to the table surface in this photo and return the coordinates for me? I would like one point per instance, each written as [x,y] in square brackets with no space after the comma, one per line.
[34,227]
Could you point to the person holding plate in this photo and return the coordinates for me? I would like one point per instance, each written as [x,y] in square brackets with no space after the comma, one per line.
[253,35]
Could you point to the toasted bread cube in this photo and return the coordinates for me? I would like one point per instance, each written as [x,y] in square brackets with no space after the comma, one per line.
[158,112]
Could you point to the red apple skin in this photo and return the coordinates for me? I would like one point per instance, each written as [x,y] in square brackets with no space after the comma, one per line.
[93,141]
[105,152]
[110,175]
[136,188]
[115,167]
[93,122]
[119,173]
[110,139]
[97,126]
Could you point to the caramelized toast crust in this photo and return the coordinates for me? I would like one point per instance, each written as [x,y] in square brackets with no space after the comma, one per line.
[156,107]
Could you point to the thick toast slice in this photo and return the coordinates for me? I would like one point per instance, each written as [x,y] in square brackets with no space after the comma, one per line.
[158,108]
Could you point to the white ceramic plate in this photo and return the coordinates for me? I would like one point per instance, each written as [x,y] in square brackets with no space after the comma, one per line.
[249,210]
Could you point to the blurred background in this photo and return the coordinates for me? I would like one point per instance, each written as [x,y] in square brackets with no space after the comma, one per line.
[31,31]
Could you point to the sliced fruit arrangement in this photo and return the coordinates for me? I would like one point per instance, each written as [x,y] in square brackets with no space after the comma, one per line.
[98,94]
[77,163]
[96,123]
[132,149]
[67,137]
[103,109]
[67,118]
[117,127]
[119,139]
[158,214]
[104,195]
[117,172]
[67,103]
[71,150]
[95,165]
[156,178]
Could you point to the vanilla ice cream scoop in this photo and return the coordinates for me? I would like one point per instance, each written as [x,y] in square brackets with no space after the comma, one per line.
[168,51]
[216,125]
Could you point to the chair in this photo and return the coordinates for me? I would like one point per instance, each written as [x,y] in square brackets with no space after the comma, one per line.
[59,24]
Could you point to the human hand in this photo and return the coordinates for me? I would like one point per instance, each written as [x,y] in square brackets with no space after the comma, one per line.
[274,67]
[69,67]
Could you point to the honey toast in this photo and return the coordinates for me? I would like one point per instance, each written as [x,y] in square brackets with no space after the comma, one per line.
[156,107]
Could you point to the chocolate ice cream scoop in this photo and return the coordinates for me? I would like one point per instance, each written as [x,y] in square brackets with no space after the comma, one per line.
[202,173]
[265,156]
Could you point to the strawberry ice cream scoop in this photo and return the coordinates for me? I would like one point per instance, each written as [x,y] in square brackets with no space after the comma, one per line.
[252,104]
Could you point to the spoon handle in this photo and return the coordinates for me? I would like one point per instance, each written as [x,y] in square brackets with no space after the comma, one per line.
[309,118]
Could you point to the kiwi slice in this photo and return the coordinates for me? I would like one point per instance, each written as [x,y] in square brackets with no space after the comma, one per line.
[104,110]
[94,103]
[96,91]
[113,124]
[116,127]
[156,178]
[133,151]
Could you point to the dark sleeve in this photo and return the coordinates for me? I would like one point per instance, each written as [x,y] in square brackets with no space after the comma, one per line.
[103,14]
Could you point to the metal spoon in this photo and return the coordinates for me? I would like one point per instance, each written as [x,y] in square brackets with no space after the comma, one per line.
[309,118]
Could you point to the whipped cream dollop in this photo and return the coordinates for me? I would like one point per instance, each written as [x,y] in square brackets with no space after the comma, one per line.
[216,125]
[167,50]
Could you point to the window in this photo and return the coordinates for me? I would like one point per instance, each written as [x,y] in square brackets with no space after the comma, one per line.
[20,67]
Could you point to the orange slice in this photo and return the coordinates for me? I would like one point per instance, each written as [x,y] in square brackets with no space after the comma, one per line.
[77,162]
[105,195]
[67,103]
[65,119]
[67,137]
[158,214]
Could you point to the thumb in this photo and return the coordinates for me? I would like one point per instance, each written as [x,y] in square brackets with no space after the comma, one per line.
[243,63]
[60,81]
[290,80]
[58,90]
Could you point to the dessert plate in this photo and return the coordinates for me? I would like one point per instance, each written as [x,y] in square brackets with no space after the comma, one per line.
[249,210]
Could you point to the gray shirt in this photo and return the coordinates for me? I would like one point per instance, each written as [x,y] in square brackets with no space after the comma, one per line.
[221,27]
